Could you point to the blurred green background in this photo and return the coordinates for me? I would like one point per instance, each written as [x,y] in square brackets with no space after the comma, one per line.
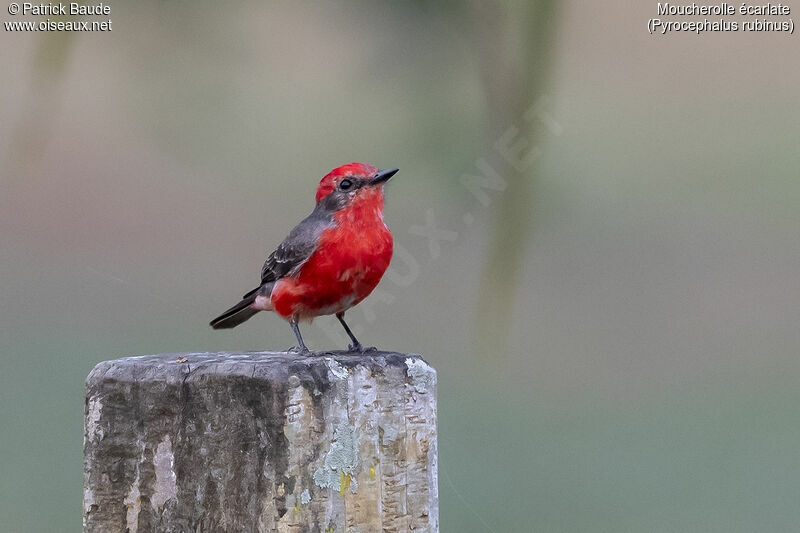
[616,332]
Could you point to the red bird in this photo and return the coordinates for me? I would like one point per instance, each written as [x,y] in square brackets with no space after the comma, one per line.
[330,261]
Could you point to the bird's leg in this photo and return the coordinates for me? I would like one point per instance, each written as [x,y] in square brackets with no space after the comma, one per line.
[301,348]
[356,346]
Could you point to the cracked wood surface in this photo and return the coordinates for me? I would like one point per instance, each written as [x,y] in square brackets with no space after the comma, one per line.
[265,441]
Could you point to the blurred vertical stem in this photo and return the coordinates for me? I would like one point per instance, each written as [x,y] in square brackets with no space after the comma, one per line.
[515,47]
[32,132]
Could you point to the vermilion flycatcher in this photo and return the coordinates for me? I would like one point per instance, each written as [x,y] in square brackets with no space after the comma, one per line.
[331,260]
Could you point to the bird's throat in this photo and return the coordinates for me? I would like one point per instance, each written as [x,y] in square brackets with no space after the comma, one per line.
[366,209]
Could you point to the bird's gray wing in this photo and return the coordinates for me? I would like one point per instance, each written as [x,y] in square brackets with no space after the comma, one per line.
[295,249]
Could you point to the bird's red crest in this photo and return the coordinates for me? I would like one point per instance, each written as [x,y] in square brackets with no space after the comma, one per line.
[328,183]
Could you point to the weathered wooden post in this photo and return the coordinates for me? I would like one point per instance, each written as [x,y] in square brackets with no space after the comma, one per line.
[261,442]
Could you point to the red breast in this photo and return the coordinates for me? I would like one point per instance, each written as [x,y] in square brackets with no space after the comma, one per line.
[348,263]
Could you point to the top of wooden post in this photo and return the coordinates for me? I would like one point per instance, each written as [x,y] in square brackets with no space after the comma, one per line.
[268,365]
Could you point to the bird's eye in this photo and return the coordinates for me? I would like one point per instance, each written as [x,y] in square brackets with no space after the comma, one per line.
[345,184]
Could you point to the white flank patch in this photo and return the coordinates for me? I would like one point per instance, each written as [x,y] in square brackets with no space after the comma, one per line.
[93,430]
[132,504]
[166,482]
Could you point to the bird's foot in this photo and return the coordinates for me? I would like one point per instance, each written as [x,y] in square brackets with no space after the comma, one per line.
[300,350]
[358,347]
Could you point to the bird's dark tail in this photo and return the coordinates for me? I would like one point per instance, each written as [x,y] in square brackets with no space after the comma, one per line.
[236,314]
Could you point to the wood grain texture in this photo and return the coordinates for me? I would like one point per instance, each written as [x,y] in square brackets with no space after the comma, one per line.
[263,441]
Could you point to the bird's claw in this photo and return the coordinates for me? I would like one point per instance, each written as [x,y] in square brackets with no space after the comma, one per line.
[301,350]
[361,348]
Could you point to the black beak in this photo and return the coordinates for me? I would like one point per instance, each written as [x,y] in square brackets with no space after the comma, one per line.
[383,176]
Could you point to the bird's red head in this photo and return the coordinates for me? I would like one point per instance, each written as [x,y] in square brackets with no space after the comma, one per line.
[354,180]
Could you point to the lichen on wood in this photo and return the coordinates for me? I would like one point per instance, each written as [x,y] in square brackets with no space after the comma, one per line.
[261,442]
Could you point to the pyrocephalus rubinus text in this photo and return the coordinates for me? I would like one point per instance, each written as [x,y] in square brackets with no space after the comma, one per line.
[331,260]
